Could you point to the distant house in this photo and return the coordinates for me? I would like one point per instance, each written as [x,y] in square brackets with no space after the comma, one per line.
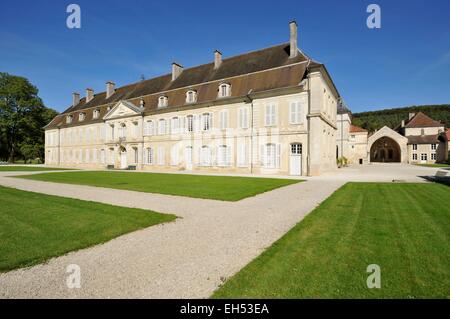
[418,139]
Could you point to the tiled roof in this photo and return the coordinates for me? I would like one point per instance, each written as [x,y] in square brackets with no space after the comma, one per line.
[356,129]
[423,139]
[261,70]
[421,120]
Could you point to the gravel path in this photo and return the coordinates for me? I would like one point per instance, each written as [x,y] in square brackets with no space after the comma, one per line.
[187,258]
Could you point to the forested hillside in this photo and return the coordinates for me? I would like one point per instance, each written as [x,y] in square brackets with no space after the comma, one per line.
[392,117]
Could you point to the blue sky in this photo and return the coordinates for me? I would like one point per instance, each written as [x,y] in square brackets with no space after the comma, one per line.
[406,62]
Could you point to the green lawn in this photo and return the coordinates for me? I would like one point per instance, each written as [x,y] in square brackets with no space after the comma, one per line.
[35,227]
[14,168]
[228,188]
[434,165]
[403,228]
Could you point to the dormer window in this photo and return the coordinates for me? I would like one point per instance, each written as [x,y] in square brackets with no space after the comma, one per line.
[191,96]
[69,119]
[224,90]
[81,117]
[163,101]
[96,114]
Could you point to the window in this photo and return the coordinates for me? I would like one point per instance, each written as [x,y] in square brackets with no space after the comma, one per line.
[243,117]
[205,156]
[414,157]
[224,90]
[223,156]
[224,119]
[81,116]
[241,154]
[296,149]
[433,147]
[423,157]
[270,156]
[161,156]
[149,158]
[136,129]
[174,155]
[163,101]
[96,114]
[352,137]
[433,156]
[122,131]
[207,121]
[191,96]
[162,127]
[414,147]
[135,155]
[190,123]
[102,156]
[270,117]
[112,131]
[69,119]
[422,132]
[295,112]
[149,128]
[175,125]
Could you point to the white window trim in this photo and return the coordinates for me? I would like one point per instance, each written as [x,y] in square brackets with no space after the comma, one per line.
[270,119]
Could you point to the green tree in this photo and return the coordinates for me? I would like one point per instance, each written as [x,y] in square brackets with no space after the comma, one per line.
[22,118]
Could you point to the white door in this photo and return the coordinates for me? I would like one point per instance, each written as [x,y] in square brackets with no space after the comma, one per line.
[123,160]
[295,159]
[188,158]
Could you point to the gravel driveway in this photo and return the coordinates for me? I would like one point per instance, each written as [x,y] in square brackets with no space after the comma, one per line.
[187,258]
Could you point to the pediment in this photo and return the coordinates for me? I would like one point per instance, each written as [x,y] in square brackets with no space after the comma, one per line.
[386,131]
[122,109]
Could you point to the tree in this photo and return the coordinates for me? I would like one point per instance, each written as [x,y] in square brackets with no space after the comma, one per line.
[22,118]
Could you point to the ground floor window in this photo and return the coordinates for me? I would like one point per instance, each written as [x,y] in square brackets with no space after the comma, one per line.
[423,157]
[433,156]
[241,154]
[414,157]
[223,155]
[136,155]
[174,155]
[161,156]
[205,156]
[149,158]
[271,155]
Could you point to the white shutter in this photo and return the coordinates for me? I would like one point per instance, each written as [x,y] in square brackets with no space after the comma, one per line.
[229,158]
[168,126]
[292,113]
[145,155]
[278,156]
[263,156]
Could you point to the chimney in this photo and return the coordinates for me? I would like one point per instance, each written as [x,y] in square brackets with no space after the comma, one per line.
[75,98]
[403,123]
[110,89]
[217,59]
[176,70]
[411,115]
[89,94]
[293,39]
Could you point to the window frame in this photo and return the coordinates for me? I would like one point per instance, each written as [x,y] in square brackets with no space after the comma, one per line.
[163,101]
[190,93]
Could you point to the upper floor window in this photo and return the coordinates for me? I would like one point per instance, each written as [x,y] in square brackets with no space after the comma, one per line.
[81,116]
[433,147]
[414,147]
[122,130]
[224,119]
[295,113]
[175,125]
[224,90]
[191,96]
[190,123]
[69,119]
[162,127]
[148,129]
[96,114]
[270,118]
[163,101]
[243,117]
[206,121]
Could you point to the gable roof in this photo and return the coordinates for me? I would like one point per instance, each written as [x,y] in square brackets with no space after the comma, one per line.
[262,70]
[423,139]
[422,120]
[356,129]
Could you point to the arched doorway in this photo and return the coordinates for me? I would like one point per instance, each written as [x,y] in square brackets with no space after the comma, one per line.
[385,150]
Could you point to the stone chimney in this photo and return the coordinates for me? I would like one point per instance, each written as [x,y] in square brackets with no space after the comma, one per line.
[411,115]
[176,70]
[110,88]
[75,98]
[293,39]
[89,94]
[403,123]
[217,59]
